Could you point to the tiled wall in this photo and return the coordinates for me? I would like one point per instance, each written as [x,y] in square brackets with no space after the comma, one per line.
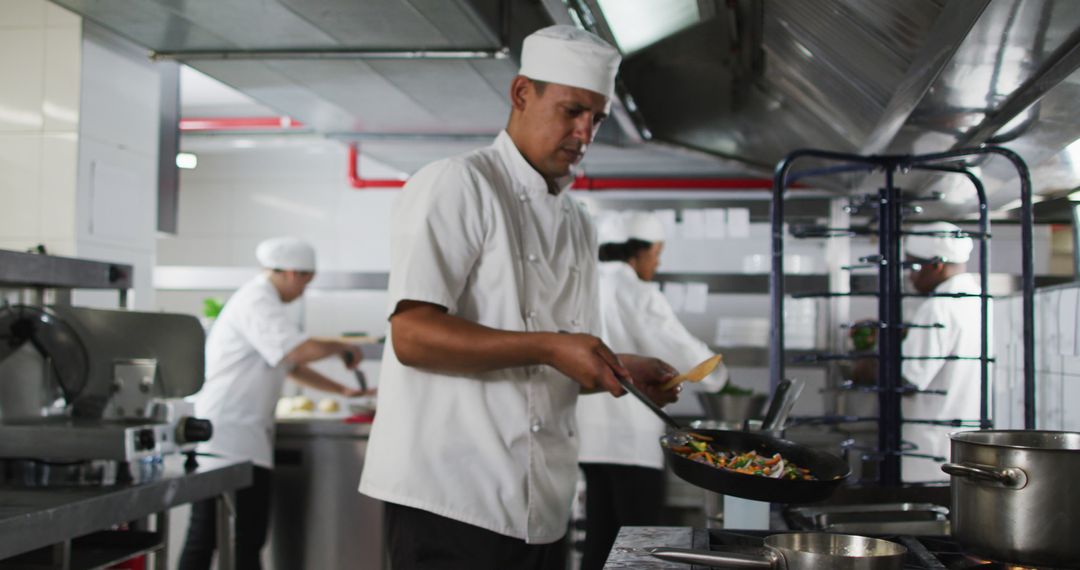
[40,59]
[1057,360]
[78,142]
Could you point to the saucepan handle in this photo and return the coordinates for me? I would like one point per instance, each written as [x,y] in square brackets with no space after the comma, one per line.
[1011,477]
[716,559]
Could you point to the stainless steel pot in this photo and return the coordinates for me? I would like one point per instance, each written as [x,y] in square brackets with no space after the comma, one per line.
[800,551]
[1015,497]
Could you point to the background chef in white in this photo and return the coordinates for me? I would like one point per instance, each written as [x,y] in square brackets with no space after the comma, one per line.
[620,454]
[941,268]
[493,312]
[250,350]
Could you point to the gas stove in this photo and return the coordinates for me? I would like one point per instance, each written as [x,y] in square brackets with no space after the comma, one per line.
[924,553]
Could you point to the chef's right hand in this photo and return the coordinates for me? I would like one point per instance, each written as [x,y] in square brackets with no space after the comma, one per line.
[587,361]
[352,355]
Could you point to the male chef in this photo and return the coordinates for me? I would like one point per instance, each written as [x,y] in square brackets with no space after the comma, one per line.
[493,307]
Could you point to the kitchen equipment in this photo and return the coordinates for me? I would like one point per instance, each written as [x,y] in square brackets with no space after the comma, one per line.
[697,373]
[924,552]
[923,519]
[120,373]
[731,407]
[830,470]
[1014,497]
[783,400]
[361,379]
[800,550]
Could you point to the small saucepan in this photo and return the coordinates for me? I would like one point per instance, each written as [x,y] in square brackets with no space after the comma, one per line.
[800,551]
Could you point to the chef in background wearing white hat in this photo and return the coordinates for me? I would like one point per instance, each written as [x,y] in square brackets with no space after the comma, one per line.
[493,322]
[938,261]
[252,347]
[941,269]
[620,454]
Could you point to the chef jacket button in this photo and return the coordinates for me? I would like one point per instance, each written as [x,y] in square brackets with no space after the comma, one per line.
[523,197]
[535,427]
[532,257]
[532,314]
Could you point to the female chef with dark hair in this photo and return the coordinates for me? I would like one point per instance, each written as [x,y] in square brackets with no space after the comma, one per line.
[620,453]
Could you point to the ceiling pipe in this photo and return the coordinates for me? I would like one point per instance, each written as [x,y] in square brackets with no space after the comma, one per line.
[587,183]
[360,183]
[239,124]
[322,54]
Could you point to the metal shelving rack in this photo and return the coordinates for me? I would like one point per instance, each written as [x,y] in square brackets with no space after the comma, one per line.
[892,206]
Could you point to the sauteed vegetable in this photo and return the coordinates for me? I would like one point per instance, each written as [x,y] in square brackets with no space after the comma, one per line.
[698,448]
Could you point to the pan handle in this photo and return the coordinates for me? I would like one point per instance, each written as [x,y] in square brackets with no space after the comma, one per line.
[1010,477]
[716,559]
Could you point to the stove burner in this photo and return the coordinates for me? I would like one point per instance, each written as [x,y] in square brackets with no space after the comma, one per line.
[924,552]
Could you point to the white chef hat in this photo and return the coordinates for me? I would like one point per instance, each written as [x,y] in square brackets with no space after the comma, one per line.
[570,56]
[611,227]
[645,226]
[949,249]
[286,253]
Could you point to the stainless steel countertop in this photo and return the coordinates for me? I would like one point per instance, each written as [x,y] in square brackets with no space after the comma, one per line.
[630,548]
[316,426]
[33,518]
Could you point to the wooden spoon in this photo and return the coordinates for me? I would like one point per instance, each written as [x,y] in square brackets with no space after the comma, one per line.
[697,373]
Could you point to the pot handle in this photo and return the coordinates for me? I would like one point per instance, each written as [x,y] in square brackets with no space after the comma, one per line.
[717,558]
[1011,477]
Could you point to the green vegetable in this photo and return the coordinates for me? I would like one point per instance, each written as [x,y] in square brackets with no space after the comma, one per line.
[733,390]
[212,307]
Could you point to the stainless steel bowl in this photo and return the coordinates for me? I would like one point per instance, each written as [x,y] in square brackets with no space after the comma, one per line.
[732,408]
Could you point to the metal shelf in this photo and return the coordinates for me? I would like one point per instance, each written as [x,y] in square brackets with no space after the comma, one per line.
[747,283]
[19,269]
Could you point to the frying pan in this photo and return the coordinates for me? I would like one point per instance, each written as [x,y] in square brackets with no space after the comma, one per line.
[801,550]
[831,471]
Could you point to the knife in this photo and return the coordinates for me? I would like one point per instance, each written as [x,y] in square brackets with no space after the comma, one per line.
[360,378]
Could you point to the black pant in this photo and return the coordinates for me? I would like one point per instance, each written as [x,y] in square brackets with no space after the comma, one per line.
[616,496]
[252,520]
[420,540]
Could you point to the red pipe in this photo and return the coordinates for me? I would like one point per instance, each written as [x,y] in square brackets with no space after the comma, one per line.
[587,183]
[239,124]
[354,173]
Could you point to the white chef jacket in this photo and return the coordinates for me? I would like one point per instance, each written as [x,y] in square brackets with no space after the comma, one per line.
[636,318]
[245,369]
[481,235]
[960,337]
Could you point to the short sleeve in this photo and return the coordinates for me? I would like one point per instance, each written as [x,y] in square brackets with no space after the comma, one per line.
[266,326]
[437,236]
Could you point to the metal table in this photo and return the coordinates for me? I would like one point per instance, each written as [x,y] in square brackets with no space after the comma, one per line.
[31,519]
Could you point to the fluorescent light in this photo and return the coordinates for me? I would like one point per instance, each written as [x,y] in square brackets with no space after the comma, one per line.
[640,23]
[1074,197]
[186,160]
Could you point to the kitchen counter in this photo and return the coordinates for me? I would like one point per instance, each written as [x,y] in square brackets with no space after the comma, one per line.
[317,424]
[32,518]
[319,519]
[632,543]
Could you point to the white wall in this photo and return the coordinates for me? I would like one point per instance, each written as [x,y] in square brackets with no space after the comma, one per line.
[116,204]
[40,55]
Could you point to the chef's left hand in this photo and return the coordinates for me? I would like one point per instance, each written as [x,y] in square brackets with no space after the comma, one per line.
[356,392]
[649,375]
